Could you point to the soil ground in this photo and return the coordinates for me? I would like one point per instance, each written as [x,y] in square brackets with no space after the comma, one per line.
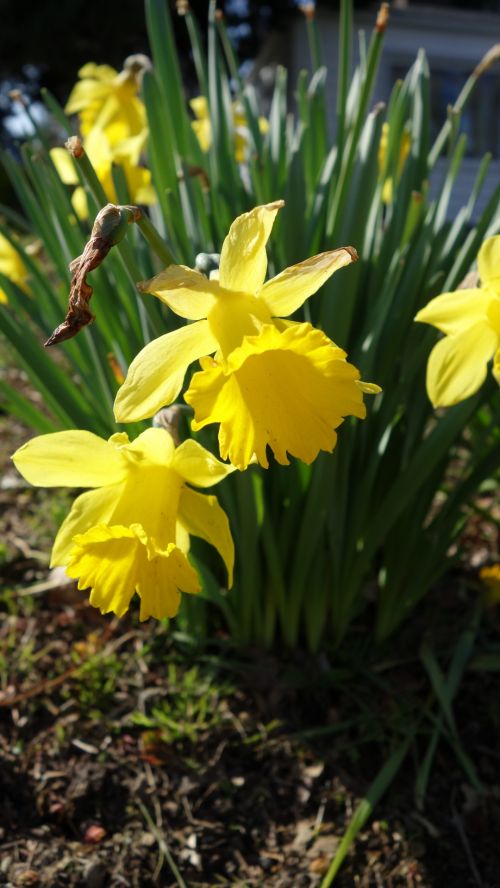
[131,756]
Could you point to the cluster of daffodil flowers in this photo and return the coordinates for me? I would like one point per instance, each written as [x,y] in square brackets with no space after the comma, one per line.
[470,320]
[266,381]
[202,127]
[113,126]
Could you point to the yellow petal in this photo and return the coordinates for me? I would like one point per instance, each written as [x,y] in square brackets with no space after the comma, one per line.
[243,260]
[287,390]
[490,576]
[64,165]
[234,316]
[151,492]
[186,292]
[383,147]
[387,191]
[70,459]
[286,292]
[156,374]
[121,116]
[457,364]
[198,466]
[202,125]
[138,183]
[87,93]
[98,148]
[203,132]
[104,73]
[106,559]
[79,203]
[161,579]
[182,537]
[154,447]
[11,265]
[493,313]
[496,366]
[203,517]
[199,107]
[488,263]
[456,311]
[89,509]
[368,388]
[263,125]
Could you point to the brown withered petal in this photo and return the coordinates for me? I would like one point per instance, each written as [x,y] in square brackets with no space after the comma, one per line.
[109,228]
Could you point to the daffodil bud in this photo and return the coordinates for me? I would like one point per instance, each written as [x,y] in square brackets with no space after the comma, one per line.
[109,229]
[111,223]
[207,262]
[135,66]
[382,17]
[75,147]
[168,418]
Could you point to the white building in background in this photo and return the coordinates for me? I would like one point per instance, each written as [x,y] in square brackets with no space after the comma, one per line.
[454,40]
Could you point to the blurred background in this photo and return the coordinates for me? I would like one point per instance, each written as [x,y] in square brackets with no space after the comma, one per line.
[57,39]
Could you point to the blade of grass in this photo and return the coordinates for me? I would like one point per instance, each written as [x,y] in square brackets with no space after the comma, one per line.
[365,809]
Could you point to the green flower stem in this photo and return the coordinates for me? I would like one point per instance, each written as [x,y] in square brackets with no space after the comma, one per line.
[345,41]
[314,42]
[252,118]
[157,244]
[340,188]
[199,57]
[491,56]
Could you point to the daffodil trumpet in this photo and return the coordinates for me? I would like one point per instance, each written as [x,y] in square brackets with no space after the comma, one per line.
[267,381]
[132,532]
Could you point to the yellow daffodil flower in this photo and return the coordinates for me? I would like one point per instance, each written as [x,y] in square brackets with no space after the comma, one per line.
[132,532]
[203,127]
[470,318]
[201,124]
[490,576]
[108,100]
[12,266]
[271,382]
[102,156]
[404,150]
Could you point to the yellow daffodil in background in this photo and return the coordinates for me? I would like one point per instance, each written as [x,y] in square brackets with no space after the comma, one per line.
[11,265]
[108,100]
[201,124]
[490,577]
[203,128]
[404,150]
[271,382]
[102,156]
[470,318]
[132,532]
